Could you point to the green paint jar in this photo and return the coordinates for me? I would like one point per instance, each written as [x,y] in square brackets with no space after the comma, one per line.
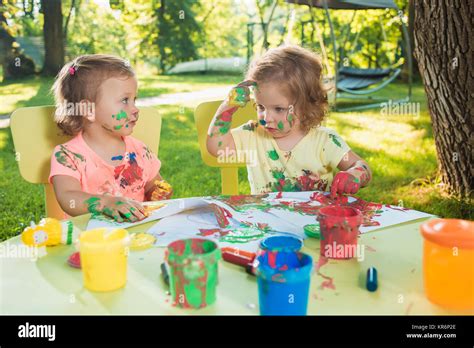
[193,272]
[312,231]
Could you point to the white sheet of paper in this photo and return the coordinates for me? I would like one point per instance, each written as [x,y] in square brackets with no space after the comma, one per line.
[173,206]
[188,224]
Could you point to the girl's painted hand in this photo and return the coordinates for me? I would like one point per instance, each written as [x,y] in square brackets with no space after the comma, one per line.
[344,183]
[161,191]
[240,94]
[120,209]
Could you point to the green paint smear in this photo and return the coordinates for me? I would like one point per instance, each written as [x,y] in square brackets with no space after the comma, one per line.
[273,155]
[335,140]
[244,234]
[240,95]
[117,127]
[280,125]
[92,204]
[66,157]
[250,126]
[219,143]
[121,115]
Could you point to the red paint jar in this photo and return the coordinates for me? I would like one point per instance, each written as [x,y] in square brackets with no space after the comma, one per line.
[339,227]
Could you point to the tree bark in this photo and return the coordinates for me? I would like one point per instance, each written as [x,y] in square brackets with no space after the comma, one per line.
[444,49]
[53,36]
[411,22]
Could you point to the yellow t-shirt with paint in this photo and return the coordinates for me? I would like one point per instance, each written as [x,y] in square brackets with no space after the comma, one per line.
[309,166]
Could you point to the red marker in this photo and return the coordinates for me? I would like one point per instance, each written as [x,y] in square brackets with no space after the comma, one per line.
[237,256]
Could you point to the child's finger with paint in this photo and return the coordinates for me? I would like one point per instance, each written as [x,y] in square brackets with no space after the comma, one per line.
[127,211]
[137,209]
[113,213]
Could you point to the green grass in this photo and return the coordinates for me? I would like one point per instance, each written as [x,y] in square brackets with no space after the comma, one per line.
[400,151]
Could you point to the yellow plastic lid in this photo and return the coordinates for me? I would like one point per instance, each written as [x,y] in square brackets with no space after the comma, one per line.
[449,232]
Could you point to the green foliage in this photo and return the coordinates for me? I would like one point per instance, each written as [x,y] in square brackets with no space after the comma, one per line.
[96,29]
[363,43]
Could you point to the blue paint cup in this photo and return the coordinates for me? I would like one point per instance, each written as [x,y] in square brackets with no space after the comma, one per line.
[281,243]
[283,282]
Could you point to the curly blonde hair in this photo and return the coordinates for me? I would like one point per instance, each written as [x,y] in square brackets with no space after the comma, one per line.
[80,80]
[299,71]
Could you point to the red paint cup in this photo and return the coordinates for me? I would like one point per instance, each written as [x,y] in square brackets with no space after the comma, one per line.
[339,227]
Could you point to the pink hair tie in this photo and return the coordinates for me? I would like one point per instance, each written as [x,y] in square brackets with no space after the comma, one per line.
[72,70]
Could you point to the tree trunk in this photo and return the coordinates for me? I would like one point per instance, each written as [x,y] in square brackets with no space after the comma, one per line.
[53,36]
[444,49]
[161,35]
[411,22]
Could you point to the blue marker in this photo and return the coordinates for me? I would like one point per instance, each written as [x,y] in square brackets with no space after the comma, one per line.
[165,274]
[371,279]
[262,122]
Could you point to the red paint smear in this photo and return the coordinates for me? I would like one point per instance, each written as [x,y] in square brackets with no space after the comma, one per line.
[208,232]
[327,283]
[284,268]
[272,259]
[221,215]
[279,195]
[321,262]
[278,277]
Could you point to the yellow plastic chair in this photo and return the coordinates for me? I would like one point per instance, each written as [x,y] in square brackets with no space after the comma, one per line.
[35,135]
[203,115]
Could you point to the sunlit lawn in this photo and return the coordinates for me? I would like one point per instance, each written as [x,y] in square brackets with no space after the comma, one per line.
[400,149]
[36,91]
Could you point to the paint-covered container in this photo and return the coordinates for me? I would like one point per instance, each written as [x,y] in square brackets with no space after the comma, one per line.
[283,282]
[281,243]
[339,228]
[193,272]
[103,255]
[448,262]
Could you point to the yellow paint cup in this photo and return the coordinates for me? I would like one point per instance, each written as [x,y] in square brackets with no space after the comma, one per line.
[104,254]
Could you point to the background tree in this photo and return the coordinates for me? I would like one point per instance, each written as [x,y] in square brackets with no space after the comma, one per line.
[444,36]
[53,36]
[177,20]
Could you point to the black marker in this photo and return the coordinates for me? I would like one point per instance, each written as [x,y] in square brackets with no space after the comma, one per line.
[371,283]
[164,273]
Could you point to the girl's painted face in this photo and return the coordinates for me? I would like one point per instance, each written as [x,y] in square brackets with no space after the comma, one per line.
[115,109]
[275,111]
